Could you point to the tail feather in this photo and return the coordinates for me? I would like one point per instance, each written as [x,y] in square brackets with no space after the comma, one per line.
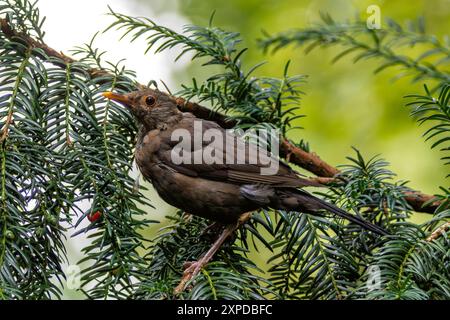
[298,200]
[308,202]
[353,218]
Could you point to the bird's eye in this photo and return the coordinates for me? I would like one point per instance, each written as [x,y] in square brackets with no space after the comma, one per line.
[150,101]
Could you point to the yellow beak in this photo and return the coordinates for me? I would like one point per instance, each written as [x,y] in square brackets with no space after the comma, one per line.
[117,97]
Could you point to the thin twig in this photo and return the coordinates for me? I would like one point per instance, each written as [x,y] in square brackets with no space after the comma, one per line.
[309,161]
[439,231]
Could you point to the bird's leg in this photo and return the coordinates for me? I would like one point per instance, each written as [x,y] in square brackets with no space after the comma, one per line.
[193,268]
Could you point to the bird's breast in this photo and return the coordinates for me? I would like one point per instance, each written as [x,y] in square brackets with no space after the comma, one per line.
[146,150]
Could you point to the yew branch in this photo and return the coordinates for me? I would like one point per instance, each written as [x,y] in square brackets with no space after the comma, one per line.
[309,161]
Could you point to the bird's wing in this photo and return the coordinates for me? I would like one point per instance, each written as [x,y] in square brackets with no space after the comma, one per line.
[226,167]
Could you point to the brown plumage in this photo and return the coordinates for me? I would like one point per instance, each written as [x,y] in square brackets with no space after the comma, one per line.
[220,192]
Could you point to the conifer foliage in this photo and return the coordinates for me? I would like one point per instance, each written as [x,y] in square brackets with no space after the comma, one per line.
[63,145]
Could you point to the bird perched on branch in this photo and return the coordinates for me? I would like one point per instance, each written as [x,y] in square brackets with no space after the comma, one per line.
[223,190]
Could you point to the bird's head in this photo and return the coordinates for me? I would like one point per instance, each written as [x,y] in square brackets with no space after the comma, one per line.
[151,107]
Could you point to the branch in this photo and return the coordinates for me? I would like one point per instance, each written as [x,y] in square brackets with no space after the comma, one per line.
[421,202]
[10,33]
[439,231]
[309,161]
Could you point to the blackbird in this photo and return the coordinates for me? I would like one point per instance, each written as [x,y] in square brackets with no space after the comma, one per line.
[223,191]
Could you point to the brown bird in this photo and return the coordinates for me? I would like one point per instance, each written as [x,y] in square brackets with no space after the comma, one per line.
[224,191]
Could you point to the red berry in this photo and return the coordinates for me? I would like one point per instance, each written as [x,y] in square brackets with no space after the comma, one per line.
[94,216]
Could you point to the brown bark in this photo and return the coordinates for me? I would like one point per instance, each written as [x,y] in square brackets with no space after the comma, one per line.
[418,201]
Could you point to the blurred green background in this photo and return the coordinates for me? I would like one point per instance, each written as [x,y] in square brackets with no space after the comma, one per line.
[345,104]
